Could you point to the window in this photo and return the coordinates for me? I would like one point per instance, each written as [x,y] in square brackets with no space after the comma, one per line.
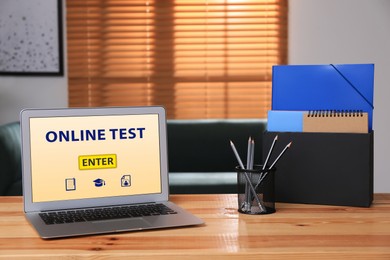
[199,59]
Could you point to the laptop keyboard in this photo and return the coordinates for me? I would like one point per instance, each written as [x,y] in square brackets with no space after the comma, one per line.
[95,214]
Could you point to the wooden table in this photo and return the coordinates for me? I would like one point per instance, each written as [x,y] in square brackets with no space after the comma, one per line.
[295,231]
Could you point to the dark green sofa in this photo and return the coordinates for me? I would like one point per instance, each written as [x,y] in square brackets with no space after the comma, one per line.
[199,152]
[10,160]
[200,157]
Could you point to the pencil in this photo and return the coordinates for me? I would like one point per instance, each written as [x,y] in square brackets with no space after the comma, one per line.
[252,154]
[280,155]
[272,165]
[246,175]
[250,163]
[237,155]
[270,151]
[248,166]
[248,154]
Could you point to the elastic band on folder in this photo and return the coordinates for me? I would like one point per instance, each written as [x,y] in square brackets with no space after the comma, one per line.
[350,83]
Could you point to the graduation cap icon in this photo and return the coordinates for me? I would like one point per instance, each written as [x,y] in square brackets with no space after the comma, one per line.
[99,182]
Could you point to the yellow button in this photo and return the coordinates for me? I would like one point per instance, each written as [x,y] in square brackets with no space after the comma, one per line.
[101,161]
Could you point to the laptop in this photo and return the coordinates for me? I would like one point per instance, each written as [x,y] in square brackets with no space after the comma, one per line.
[97,170]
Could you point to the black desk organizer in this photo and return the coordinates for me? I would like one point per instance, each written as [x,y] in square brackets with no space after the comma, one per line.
[323,168]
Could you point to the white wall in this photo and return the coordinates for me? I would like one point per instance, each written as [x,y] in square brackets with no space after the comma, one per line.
[321,32]
[17,93]
[21,92]
[349,31]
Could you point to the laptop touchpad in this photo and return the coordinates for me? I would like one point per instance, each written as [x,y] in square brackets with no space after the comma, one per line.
[124,224]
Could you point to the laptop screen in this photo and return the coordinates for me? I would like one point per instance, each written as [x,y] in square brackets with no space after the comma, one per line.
[94,156]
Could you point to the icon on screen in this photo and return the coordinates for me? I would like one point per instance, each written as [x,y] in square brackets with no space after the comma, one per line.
[126,181]
[70,184]
[99,182]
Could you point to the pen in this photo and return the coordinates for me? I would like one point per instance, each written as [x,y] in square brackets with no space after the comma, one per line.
[246,176]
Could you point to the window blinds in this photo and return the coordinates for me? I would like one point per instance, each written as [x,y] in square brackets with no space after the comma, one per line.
[199,59]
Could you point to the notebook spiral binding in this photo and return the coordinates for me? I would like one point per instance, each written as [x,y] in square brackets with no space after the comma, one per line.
[335,113]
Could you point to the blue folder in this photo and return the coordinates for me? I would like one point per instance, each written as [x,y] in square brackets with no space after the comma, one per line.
[285,121]
[324,87]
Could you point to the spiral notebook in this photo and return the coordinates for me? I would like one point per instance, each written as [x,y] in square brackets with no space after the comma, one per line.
[335,122]
[318,121]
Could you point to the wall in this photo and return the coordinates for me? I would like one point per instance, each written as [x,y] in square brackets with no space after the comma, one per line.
[349,31]
[17,93]
[21,92]
[321,31]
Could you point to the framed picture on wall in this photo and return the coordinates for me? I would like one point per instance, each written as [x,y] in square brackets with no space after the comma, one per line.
[31,37]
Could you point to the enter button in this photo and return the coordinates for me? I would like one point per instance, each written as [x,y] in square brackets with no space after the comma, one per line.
[101,161]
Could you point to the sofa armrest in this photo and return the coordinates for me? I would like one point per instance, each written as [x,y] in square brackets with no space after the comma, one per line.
[202,182]
[10,160]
